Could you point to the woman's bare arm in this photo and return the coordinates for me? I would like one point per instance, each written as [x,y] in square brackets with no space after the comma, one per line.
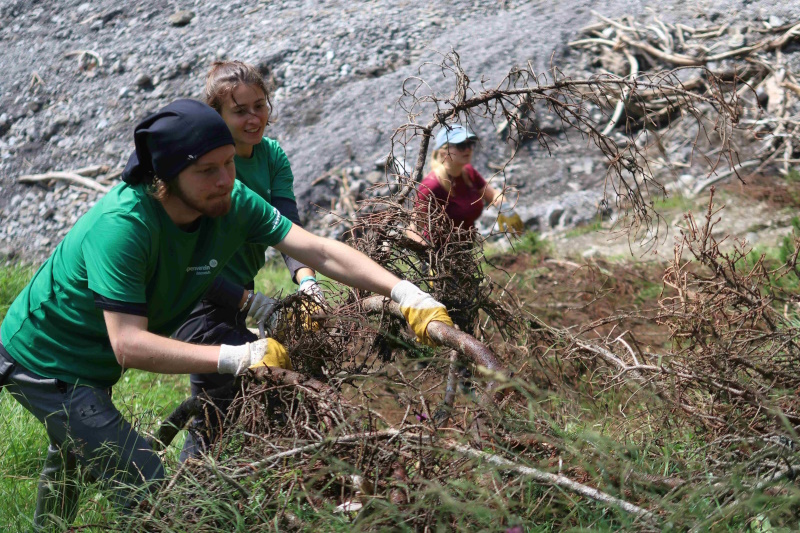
[337,261]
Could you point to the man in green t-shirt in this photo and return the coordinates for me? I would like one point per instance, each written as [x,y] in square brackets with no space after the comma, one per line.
[126,275]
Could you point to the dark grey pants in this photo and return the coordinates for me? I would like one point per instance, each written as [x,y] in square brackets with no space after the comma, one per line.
[211,324]
[84,428]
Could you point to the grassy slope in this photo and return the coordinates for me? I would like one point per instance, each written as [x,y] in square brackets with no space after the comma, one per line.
[143,397]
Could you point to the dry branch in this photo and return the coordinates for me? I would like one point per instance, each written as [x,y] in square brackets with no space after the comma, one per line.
[700,186]
[465,344]
[73,177]
[429,441]
[554,479]
[193,406]
[620,107]
[674,59]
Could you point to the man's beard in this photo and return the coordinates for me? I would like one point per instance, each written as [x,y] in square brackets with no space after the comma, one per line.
[214,207]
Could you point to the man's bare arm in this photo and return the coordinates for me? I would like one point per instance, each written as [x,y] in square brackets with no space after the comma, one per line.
[135,347]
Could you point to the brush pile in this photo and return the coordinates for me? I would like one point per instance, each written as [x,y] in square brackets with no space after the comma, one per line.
[512,421]
[758,62]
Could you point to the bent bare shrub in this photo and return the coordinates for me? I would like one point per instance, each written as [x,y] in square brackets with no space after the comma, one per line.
[362,436]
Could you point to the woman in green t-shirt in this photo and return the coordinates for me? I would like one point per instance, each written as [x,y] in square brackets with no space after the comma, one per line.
[239,94]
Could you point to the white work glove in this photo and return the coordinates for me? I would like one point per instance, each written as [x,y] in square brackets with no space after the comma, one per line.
[263,352]
[261,309]
[420,309]
[309,286]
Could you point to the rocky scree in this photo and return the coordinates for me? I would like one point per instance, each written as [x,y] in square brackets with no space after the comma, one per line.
[79,75]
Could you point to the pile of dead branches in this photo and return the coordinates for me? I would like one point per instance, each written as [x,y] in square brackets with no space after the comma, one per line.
[757,62]
[294,441]
[734,325]
[446,261]
[369,430]
[734,335]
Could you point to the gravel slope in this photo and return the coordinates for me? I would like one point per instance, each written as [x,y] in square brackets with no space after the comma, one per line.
[338,68]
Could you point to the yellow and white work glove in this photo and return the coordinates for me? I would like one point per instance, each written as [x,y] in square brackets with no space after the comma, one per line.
[261,311]
[420,309]
[308,285]
[263,352]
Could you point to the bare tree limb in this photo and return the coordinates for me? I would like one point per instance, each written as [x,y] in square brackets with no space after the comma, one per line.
[64,176]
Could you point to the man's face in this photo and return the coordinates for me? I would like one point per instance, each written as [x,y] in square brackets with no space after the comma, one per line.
[205,186]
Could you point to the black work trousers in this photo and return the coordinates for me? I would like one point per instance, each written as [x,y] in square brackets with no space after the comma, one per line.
[211,324]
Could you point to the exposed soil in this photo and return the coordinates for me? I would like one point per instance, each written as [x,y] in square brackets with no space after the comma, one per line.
[759,213]
[583,293]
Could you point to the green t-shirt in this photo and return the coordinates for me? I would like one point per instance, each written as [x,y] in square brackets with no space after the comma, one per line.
[268,174]
[125,248]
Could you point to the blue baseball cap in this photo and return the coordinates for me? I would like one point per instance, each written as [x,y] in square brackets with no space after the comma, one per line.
[454,134]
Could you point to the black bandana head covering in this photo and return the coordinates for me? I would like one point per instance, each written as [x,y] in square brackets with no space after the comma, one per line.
[173,138]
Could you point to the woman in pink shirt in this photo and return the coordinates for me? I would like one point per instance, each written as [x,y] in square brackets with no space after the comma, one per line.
[453,184]
[461,191]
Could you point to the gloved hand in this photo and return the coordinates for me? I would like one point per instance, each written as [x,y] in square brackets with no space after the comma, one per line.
[261,311]
[510,223]
[308,285]
[420,309]
[263,352]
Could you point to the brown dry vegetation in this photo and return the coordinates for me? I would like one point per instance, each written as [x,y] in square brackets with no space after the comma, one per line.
[613,396]
[377,437]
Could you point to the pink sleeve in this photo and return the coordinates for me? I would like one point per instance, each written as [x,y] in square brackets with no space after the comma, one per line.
[425,194]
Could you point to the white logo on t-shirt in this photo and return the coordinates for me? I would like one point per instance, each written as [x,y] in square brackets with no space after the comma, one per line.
[203,270]
[277,219]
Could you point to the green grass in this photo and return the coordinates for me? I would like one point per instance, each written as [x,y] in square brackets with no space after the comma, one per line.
[648,292]
[274,279]
[583,229]
[675,202]
[793,176]
[24,441]
[143,398]
[22,451]
[13,279]
[531,243]
[787,245]
[777,256]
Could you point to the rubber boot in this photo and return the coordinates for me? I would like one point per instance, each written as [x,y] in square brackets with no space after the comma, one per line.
[57,499]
